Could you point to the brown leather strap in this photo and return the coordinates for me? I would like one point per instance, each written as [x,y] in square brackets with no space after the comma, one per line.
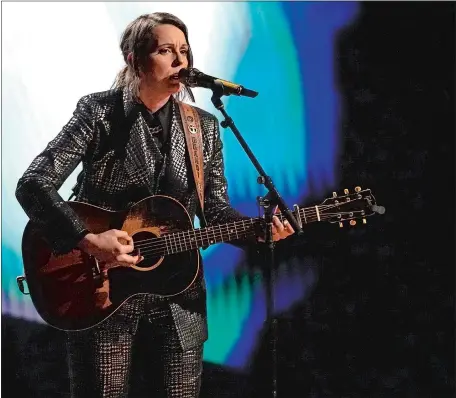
[194,137]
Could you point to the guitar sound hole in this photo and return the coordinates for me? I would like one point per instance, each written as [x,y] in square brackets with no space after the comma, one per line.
[145,242]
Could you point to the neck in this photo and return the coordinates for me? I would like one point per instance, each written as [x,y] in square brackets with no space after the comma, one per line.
[152,99]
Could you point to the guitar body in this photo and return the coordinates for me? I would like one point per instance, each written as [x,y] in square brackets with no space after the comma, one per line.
[75,292]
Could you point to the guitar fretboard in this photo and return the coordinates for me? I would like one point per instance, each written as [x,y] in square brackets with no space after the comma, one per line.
[191,239]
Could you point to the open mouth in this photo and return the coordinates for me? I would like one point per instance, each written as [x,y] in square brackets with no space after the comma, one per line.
[174,77]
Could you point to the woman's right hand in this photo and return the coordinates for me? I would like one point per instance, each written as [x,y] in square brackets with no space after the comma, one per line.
[111,247]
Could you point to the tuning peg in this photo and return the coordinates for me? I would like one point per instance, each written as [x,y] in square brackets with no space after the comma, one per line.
[352,222]
[334,194]
[357,189]
[364,221]
[346,191]
[341,224]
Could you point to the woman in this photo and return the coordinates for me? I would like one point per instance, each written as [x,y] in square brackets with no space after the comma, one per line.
[132,145]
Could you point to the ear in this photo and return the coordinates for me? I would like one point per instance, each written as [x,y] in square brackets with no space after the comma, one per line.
[130,59]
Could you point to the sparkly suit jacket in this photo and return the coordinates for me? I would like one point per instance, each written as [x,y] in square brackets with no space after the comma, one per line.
[122,164]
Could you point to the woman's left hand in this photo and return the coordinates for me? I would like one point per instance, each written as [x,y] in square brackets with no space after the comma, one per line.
[280,230]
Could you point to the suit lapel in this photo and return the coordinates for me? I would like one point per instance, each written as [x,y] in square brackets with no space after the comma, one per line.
[178,151]
[143,157]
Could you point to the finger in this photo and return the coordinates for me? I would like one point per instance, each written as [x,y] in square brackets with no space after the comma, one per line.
[124,235]
[121,249]
[282,233]
[127,259]
[276,237]
[277,223]
[288,227]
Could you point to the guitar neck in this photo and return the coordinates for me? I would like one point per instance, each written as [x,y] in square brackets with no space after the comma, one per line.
[196,238]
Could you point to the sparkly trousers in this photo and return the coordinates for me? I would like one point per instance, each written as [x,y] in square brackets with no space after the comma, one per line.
[135,353]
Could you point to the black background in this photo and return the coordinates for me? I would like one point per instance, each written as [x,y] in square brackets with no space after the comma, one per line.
[380,322]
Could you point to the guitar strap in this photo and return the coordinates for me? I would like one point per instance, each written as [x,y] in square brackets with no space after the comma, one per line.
[194,138]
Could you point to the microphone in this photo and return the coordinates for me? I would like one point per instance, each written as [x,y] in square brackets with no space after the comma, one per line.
[192,77]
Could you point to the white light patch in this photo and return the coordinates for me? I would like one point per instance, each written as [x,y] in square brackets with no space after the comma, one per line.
[55,53]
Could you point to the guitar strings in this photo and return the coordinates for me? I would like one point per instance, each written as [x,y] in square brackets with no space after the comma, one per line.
[159,252]
[174,240]
[163,247]
[306,214]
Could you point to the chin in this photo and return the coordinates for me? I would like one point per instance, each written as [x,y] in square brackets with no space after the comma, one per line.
[175,88]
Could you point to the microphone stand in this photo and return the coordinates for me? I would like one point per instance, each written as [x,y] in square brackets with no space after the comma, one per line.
[268,203]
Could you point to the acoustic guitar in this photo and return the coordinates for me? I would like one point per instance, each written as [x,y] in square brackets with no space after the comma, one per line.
[75,291]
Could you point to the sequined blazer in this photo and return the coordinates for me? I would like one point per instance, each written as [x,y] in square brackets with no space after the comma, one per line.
[119,169]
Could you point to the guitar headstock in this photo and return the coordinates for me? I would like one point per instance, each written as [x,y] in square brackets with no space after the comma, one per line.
[350,207]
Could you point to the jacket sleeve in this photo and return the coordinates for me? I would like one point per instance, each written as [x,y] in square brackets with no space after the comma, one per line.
[37,189]
[217,207]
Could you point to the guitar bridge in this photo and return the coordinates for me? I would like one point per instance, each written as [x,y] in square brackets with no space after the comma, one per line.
[20,284]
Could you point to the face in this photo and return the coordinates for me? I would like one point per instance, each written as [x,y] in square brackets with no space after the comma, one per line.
[169,57]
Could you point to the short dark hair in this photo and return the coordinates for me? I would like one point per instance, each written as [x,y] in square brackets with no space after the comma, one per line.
[139,40]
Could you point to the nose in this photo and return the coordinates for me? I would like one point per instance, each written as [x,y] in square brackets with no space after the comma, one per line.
[179,60]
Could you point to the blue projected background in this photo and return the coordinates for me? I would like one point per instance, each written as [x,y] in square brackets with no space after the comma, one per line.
[283,50]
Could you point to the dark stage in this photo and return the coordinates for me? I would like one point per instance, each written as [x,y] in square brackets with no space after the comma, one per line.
[380,322]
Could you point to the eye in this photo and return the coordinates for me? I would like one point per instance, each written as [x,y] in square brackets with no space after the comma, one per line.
[164,50]
[184,51]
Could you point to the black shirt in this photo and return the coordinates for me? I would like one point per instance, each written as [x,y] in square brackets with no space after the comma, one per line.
[162,118]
